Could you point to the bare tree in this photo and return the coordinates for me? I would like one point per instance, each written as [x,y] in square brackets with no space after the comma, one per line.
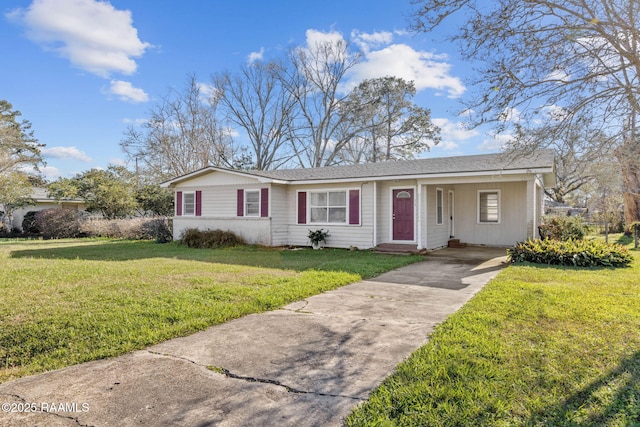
[183,134]
[578,148]
[393,127]
[579,56]
[314,81]
[255,100]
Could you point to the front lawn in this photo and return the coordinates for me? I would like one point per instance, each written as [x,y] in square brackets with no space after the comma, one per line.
[69,301]
[539,346]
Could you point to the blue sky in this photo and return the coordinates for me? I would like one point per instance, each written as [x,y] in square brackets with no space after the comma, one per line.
[82,71]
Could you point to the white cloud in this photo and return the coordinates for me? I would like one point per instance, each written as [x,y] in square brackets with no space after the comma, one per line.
[116,161]
[453,133]
[381,59]
[315,37]
[208,92]
[511,115]
[495,143]
[50,172]
[367,41]
[425,69]
[66,153]
[92,34]
[127,92]
[255,56]
[560,76]
[317,40]
[136,122]
[454,130]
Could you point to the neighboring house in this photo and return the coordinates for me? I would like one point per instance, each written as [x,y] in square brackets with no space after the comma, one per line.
[488,199]
[43,201]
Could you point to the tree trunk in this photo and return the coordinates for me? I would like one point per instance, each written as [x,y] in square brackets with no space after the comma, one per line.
[629,157]
[631,209]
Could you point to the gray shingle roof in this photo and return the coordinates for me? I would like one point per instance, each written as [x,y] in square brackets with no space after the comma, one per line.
[460,164]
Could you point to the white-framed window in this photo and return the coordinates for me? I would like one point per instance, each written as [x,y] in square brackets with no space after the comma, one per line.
[252,203]
[328,207]
[189,203]
[489,206]
[439,206]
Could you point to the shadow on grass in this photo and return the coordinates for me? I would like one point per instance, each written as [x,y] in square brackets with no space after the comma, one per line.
[566,267]
[365,263]
[624,240]
[613,399]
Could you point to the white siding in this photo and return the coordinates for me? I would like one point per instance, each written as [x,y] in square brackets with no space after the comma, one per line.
[341,236]
[513,214]
[520,206]
[219,211]
[279,213]
[253,230]
[218,178]
[438,234]
[385,197]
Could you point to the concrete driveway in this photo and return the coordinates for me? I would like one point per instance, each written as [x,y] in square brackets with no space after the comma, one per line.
[307,364]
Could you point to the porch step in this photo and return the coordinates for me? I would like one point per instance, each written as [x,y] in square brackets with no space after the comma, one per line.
[455,243]
[392,248]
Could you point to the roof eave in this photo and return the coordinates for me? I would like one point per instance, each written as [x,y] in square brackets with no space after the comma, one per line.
[527,171]
[204,171]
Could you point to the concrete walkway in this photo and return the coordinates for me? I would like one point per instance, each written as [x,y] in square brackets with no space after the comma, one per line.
[307,364]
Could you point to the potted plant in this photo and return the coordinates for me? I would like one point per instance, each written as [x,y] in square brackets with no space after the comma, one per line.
[317,236]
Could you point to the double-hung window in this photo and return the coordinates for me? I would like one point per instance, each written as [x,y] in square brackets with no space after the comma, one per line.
[252,203]
[189,203]
[489,206]
[328,207]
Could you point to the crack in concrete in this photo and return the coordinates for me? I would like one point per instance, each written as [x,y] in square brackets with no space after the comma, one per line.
[290,389]
[229,374]
[23,400]
[298,310]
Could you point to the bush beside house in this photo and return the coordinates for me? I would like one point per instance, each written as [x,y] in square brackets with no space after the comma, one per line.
[577,253]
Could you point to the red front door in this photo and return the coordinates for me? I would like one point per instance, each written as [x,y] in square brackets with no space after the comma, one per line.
[403,214]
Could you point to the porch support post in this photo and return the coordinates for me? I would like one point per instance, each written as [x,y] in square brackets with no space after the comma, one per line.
[531,208]
[419,219]
[375,215]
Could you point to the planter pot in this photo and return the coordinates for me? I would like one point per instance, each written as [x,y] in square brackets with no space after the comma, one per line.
[315,245]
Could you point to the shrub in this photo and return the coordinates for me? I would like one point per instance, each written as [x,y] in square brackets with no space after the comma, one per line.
[579,253]
[57,223]
[29,225]
[158,229]
[563,228]
[210,239]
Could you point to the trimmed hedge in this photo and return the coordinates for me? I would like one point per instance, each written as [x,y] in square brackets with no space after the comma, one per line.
[210,239]
[56,223]
[578,253]
[159,228]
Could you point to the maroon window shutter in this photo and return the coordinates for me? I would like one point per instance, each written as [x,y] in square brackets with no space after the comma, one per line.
[302,207]
[198,203]
[354,206]
[264,202]
[240,209]
[178,203]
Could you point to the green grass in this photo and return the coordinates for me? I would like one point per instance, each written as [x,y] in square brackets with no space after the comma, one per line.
[69,301]
[539,346]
